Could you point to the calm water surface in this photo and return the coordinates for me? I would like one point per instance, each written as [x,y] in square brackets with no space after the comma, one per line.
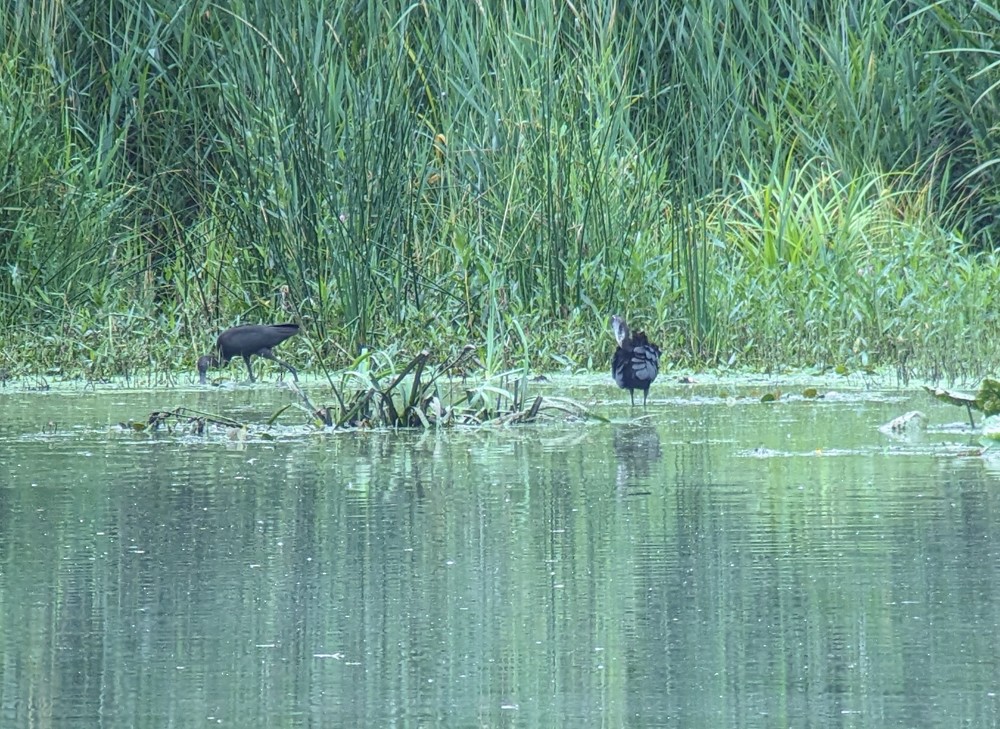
[716,564]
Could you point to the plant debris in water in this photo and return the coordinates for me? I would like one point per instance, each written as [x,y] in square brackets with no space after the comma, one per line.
[986,400]
[194,420]
[408,398]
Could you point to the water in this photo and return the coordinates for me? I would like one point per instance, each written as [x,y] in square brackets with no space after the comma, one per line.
[711,564]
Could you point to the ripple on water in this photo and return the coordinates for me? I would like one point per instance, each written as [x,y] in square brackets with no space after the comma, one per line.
[787,560]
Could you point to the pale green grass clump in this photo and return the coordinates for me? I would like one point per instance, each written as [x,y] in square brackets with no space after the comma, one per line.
[861,279]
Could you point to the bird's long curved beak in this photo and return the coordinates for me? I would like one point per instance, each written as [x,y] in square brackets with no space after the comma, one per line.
[619,328]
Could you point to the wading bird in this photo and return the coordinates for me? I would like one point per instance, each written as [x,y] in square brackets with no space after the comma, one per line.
[636,361]
[245,341]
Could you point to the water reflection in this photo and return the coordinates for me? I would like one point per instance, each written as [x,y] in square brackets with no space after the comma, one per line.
[497,577]
[637,452]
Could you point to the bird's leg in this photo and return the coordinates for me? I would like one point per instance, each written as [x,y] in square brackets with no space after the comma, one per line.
[631,394]
[268,354]
[246,358]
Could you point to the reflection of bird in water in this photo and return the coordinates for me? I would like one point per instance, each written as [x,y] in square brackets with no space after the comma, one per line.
[636,362]
[637,448]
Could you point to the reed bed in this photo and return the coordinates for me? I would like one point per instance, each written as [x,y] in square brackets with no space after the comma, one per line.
[762,184]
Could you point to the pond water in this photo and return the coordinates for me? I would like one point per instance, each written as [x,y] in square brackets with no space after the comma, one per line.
[710,562]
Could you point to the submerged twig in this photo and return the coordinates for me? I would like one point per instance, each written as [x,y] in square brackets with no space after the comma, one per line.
[186,416]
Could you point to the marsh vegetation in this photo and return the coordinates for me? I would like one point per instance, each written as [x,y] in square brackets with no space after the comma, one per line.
[757,185]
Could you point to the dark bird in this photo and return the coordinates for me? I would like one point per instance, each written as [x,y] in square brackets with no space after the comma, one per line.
[636,361]
[245,341]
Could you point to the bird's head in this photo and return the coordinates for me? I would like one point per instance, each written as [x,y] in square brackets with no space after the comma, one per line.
[203,364]
[620,329]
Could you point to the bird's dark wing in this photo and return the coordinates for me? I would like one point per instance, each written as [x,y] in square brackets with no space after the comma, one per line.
[645,363]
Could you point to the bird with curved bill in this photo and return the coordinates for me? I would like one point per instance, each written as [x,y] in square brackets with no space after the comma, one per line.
[636,361]
[246,341]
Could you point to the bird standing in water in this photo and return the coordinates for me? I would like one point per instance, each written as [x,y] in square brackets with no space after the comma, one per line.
[636,362]
[247,340]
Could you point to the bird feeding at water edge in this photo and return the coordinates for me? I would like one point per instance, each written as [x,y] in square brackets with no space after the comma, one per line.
[245,341]
[636,361]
